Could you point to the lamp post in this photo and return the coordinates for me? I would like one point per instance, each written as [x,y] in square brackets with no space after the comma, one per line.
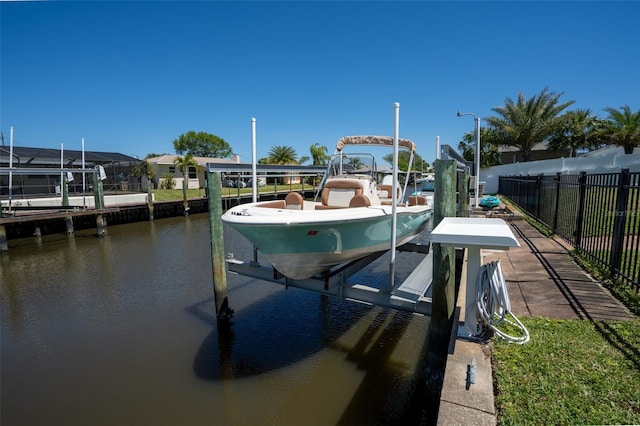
[477,119]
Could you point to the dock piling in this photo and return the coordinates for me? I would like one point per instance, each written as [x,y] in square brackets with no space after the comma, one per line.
[101,224]
[65,191]
[68,220]
[463,194]
[185,200]
[4,246]
[150,198]
[218,263]
[98,193]
[443,296]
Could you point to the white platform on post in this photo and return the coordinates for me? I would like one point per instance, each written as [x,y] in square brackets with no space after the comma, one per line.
[474,234]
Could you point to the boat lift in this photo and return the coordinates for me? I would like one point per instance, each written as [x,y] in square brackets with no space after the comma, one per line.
[412,295]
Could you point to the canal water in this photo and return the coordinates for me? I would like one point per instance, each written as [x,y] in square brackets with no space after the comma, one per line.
[121,330]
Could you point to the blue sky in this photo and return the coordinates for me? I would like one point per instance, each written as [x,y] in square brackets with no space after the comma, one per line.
[131,77]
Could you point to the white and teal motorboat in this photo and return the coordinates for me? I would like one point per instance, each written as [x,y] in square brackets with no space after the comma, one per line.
[351,216]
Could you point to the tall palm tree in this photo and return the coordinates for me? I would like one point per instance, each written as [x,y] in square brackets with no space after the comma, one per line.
[283,155]
[319,154]
[622,128]
[183,164]
[527,122]
[579,130]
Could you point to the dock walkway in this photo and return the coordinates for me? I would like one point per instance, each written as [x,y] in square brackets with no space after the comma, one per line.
[543,281]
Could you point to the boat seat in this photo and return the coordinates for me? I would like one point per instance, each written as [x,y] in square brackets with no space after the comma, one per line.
[360,201]
[386,194]
[337,194]
[275,204]
[417,200]
[294,201]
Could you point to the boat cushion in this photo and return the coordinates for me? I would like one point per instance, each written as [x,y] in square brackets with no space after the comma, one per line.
[386,192]
[338,193]
[276,204]
[294,201]
[360,201]
[419,200]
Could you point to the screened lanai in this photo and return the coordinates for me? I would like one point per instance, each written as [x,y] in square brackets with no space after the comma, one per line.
[30,178]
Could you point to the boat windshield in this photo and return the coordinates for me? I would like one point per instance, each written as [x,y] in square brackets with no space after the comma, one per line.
[351,164]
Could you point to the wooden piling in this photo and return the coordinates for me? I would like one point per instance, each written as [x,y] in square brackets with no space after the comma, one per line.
[218,263]
[463,194]
[4,246]
[68,220]
[101,225]
[65,191]
[185,200]
[443,297]
[150,198]
[98,193]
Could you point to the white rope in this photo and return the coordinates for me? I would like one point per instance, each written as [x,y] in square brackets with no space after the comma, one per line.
[493,301]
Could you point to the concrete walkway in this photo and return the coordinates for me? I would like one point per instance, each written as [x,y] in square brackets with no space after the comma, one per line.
[543,281]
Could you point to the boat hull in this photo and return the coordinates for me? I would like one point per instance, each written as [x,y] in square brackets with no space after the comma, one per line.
[300,247]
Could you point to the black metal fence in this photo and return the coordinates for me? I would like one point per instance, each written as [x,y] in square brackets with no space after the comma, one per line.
[598,214]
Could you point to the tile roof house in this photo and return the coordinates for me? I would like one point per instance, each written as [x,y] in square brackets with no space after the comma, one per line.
[164,166]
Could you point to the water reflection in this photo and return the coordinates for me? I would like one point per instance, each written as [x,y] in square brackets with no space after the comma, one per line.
[385,349]
[121,330]
[271,334]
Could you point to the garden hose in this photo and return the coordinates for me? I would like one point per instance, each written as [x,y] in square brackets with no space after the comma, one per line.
[494,305]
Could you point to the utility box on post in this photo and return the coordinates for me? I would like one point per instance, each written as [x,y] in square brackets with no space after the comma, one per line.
[474,234]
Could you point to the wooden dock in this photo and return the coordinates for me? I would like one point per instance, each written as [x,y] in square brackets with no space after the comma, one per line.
[31,215]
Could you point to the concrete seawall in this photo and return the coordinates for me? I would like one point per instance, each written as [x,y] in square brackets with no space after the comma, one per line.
[55,221]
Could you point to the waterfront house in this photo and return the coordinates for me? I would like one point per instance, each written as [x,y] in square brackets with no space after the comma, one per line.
[164,166]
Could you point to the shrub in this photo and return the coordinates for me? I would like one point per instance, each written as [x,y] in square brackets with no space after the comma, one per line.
[167,181]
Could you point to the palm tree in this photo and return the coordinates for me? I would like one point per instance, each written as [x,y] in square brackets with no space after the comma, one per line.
[355,162]
[622,128]
[144,168]
[527,122]
[489,144]
[302,160]
[282,155]
[319,154]
[183,164]
[579,130]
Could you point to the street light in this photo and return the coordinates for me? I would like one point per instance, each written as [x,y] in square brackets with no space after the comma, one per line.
[477,119]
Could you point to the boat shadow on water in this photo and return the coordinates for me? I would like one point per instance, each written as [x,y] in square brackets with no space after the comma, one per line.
[290,326]
[273,333]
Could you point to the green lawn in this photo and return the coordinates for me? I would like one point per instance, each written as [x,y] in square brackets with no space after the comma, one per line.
[571,372]
[176,194]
